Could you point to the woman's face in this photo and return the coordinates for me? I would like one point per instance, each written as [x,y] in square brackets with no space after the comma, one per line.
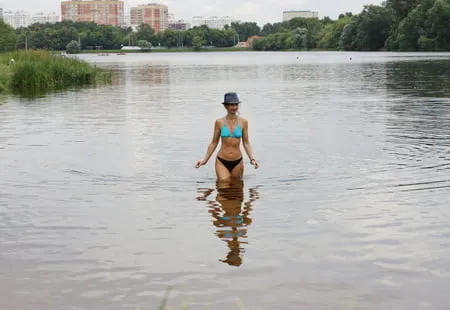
[232,108]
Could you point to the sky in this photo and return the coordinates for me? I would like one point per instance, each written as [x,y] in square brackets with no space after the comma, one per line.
[260,11]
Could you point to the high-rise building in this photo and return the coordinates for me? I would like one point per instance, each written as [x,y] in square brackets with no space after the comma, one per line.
[214,22]
[106,12]
[43,18]
[17,19]
[1,13]
[288,15]
[153,14]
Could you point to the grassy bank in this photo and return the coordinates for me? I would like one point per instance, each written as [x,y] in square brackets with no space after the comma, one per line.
[38,72]
[172,50]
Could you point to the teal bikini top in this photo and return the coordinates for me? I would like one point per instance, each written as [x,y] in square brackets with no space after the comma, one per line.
[225,132]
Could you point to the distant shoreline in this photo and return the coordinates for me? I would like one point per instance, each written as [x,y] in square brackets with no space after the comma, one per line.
[239,49]
[169,50]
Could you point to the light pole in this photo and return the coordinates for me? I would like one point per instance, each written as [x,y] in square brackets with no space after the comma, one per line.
[26,39]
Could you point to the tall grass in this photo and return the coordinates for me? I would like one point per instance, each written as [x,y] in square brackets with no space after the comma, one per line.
[5,77]
[38,72]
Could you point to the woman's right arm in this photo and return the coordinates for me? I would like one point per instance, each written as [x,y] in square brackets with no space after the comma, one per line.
[212,145]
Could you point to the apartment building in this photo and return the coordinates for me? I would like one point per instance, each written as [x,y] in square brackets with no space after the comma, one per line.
[105,12]
[17,19]
[288,15]
[214,22]
[43,18]
[153,14]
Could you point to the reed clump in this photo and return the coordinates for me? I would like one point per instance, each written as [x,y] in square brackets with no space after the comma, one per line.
[39,72]
[5,77]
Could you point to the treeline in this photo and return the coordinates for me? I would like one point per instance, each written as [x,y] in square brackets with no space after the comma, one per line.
[408,25]
[57,36]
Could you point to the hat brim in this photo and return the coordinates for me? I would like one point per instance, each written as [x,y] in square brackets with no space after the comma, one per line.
[231,102]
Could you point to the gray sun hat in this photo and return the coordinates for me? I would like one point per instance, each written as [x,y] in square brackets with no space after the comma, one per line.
[231,98]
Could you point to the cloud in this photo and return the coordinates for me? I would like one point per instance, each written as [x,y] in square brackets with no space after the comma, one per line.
[246,10]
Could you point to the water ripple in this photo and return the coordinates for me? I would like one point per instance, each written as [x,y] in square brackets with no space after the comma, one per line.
[100,206]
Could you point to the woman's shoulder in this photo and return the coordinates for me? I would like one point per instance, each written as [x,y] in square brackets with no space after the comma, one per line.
[219,122]
[243,121]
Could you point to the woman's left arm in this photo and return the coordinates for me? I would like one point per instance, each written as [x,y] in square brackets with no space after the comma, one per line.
[248,145]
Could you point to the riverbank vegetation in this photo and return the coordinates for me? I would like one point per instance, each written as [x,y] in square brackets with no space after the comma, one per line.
[32,73]
[394,25]
[170,50]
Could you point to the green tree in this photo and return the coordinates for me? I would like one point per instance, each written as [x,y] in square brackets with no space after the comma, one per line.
[65,35]
[373,27]
[170,38]
[73,47]
[130,39]
[413,27]
[258,45]
[56,36]
[327,20]
[427,44]
[401,8]
[438,24]
[272,28]
[276,41]
[299,38]
[8,38]
[198,41]
[144,45]
[347,41]
[313,25]
[330,35]
[347,14]
[145,32]
[246,30]
[325,38]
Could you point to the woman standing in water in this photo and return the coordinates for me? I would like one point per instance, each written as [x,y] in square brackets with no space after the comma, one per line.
[231,128]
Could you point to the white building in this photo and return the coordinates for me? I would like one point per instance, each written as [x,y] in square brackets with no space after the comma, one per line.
[43,18]
[287,15]
[1,13]
[178,24]
[17,19]
[215,22]
[127,19]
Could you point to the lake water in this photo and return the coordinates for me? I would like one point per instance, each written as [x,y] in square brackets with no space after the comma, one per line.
[101,207]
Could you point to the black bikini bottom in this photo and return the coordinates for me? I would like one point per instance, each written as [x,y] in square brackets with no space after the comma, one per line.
[230,164]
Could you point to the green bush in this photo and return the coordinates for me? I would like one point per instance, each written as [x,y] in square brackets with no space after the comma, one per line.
[73,47]
[38,72]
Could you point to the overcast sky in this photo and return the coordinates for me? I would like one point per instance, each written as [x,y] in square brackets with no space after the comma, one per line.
[260,11]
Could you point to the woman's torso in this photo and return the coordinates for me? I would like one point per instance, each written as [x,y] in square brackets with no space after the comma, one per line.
[231,139]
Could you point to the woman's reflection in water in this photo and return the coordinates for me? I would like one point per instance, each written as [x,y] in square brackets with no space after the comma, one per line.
[231,215]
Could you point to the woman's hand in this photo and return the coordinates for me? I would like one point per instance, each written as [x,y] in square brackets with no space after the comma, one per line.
[200,163]
[254,163]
